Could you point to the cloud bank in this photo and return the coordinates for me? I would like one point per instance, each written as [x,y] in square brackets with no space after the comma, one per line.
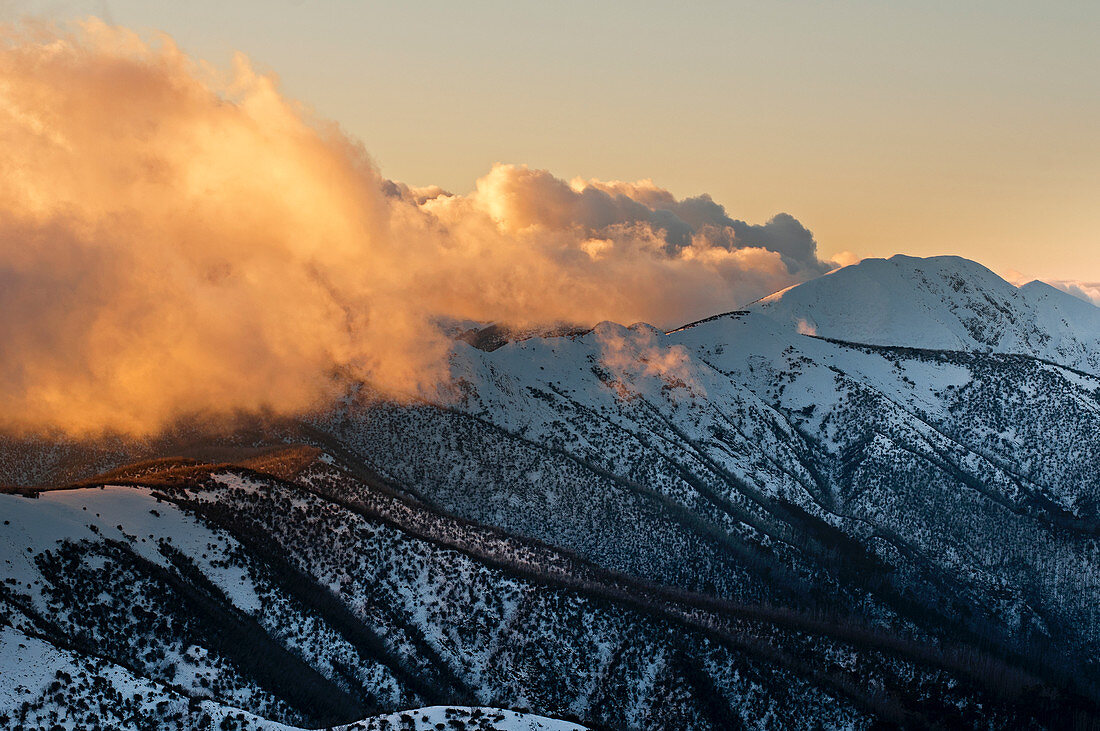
[179,240]
[1088,291]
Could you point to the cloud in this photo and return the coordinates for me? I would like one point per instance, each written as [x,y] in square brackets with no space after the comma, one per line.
[519,198]
[845,258]
[1088,291]
[631,357]
[179,240]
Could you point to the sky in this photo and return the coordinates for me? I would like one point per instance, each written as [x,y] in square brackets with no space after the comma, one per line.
[913,127]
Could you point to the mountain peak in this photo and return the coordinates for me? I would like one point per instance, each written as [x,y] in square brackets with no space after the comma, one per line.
[941,303]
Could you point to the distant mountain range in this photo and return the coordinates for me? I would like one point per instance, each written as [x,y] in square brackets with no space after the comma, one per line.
[872,499]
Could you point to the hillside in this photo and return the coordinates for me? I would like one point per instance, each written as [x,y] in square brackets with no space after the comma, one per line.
[871,498]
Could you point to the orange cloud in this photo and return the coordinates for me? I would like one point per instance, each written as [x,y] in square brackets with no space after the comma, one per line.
[633,355]
[177,240]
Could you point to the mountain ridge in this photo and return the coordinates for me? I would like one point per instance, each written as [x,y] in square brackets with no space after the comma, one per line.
[752,526]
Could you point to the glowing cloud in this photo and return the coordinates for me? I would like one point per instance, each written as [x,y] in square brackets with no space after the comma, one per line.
[176,240]
[632,354]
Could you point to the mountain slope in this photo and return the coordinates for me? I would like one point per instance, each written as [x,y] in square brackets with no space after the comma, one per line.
[306,601]
[768,466]
[736,523]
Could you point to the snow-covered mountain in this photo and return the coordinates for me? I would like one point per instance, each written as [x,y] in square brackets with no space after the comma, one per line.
[873,498]
[945,303]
